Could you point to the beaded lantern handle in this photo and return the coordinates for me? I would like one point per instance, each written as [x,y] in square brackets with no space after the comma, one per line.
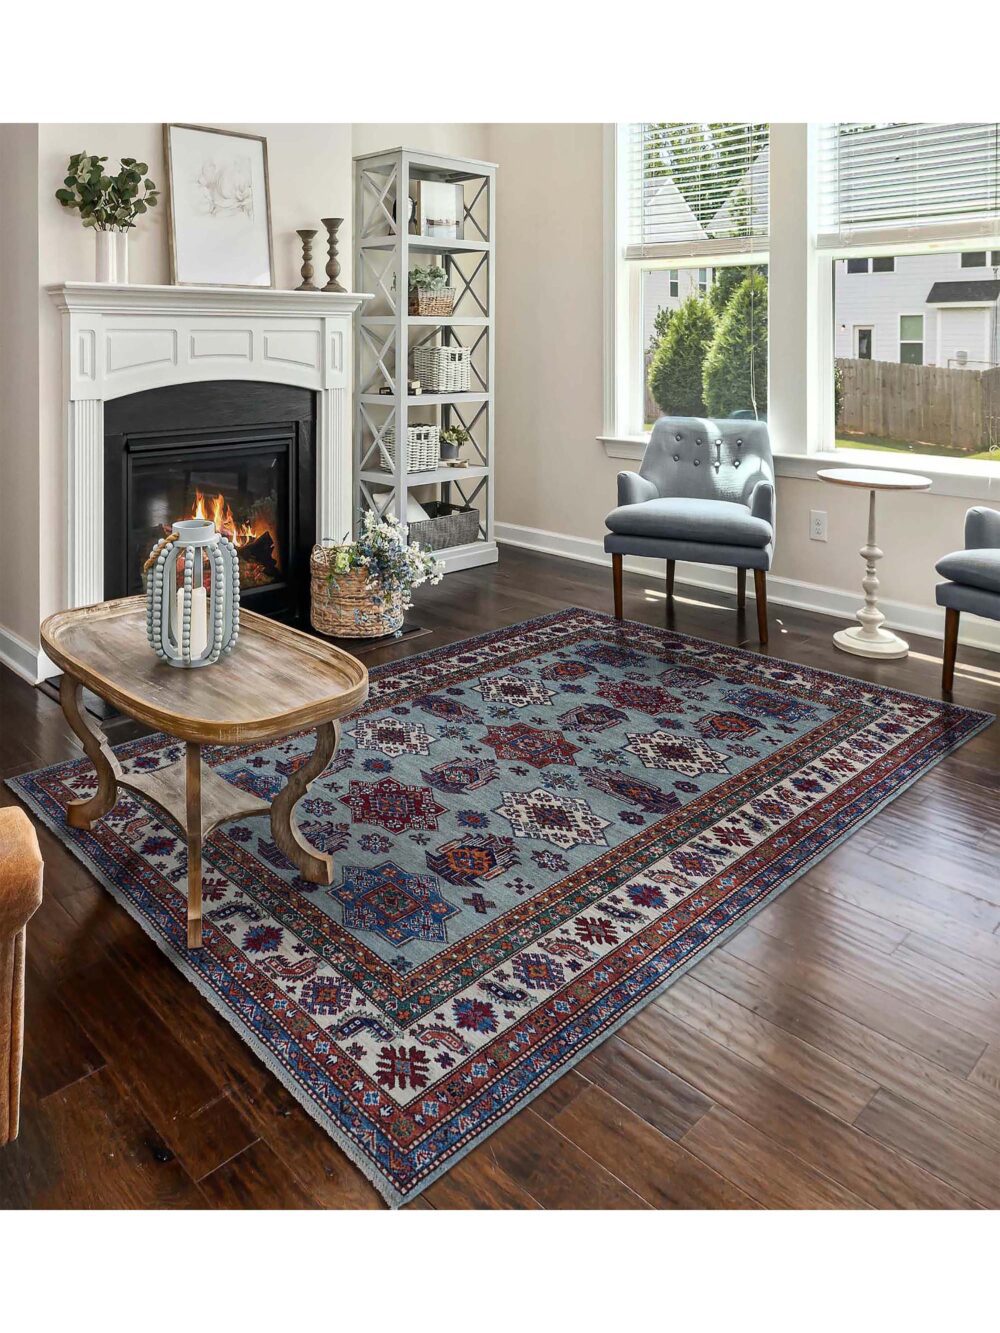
[161,545]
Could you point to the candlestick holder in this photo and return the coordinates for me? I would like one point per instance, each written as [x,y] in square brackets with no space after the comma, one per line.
[332,225]
[192,595]
[307,284]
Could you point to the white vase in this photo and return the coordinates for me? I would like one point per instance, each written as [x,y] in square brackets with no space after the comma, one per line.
[121,256]
[107,267]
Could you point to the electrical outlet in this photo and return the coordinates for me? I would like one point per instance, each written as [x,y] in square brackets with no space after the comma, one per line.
[817,525]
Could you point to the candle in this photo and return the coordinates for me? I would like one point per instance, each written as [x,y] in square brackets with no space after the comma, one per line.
[199,620]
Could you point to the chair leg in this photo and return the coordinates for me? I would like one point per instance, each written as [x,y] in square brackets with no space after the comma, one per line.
[741,589]
[760,592]
[670,578]
[950,648]
[616,575]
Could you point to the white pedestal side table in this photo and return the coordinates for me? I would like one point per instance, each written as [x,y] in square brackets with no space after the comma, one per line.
[869,638]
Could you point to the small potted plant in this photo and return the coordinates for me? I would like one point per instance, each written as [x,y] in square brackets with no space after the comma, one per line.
[429,291]
[361,589]
[108,204]
[452,439]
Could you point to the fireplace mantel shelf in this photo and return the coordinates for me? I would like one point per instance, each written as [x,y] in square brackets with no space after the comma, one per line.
[139,299]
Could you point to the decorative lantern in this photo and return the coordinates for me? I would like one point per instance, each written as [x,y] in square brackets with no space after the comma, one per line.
[192,595]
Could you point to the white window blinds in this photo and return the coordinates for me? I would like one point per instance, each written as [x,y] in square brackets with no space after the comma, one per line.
[908,182]
[695,189]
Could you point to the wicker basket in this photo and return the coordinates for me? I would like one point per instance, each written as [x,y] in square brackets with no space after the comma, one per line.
[443,369]
[423,447]
[344,607]
[446,525]
[426,302]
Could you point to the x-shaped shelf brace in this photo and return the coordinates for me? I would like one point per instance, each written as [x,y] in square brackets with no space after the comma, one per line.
[467,500]
[455,270]
[378,351]
[469,427]
[379,273]
[371,180]
[372,501]
[378,432]
[469,207]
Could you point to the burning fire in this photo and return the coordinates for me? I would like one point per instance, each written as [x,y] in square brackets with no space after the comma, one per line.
[242,535]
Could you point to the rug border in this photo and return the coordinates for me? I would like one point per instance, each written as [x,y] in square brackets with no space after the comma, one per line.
[979,719]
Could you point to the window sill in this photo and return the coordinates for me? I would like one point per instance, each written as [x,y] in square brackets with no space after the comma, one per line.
[971,479]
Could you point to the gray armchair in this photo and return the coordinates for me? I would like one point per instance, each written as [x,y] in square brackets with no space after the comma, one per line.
[973,581]
[704,492]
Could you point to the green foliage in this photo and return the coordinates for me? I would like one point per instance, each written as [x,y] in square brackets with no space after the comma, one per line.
[660,322]
[675,373]
[454,435]
[727,279]
[432,278]
[109,203]
[838,392]
[735,365]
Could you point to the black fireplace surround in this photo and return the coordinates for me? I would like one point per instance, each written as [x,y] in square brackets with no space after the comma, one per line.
[243,453]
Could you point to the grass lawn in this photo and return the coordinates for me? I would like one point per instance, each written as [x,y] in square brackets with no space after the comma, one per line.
[877,445]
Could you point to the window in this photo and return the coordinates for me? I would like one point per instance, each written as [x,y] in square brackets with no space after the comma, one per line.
[911,340]
[691,327]
[915,354]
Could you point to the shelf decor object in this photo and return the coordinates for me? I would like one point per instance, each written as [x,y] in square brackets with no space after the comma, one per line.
[423,447]
[431,318]
[306,235]
[109,205]
[332,226]
[192,595]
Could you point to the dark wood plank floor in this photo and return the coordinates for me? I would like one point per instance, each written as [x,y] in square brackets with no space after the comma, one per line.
[842,1051]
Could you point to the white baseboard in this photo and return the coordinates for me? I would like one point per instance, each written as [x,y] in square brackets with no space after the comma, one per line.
[835,602]
[30,663]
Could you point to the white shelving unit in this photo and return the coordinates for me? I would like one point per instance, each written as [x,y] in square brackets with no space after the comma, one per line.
[386,335]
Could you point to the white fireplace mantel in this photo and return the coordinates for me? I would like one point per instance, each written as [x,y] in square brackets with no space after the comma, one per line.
[120,340]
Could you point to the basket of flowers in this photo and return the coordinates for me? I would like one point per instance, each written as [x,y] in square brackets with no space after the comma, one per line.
[429,293]
[362,589]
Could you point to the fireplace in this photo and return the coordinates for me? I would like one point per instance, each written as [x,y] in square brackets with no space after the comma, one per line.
[240,453]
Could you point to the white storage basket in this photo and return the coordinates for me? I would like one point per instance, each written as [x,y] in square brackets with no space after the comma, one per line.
[423,447]
[442,369]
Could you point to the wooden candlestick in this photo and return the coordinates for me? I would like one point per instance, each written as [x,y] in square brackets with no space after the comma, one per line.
[332,264]
[307,284]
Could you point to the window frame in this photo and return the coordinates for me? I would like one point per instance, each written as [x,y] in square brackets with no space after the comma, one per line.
[920,342]
[800,399]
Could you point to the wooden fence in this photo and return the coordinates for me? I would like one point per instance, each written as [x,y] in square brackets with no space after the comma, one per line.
[959,409]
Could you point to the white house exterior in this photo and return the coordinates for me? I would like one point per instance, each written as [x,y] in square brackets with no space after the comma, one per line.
[933,310]
[666,289]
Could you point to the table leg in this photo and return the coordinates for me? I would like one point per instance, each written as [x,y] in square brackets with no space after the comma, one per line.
[192,788]
[312,864]
[868,638]
[81,814]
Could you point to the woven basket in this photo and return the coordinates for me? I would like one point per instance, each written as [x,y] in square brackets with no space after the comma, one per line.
[425,302]
[423,447]
[445,525]
[443,369]
[344,607]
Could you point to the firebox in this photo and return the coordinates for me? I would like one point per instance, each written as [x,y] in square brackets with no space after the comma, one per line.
[241,454]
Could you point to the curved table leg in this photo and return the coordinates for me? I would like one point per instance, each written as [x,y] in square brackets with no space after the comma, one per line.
[311,863]
[81,814]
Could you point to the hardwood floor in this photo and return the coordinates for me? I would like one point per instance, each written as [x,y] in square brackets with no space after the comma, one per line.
[843,1051]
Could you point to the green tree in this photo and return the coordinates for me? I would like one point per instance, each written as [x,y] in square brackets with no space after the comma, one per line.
[734,372]
[675,373]
[660,322]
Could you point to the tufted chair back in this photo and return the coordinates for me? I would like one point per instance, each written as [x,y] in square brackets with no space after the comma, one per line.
[700,459]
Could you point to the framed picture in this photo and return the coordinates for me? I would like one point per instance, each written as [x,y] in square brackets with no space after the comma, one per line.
[438,209]
[220,208]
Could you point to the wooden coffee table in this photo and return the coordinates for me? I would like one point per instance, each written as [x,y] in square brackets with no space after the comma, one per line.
[277,681]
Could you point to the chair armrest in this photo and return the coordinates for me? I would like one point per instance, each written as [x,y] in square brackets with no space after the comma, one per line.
[762,502]
[633,489]
[982,529]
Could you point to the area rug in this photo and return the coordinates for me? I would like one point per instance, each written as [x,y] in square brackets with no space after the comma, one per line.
[534,832]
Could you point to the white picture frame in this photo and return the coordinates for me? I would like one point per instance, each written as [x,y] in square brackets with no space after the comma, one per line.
[439,209]
[219,208]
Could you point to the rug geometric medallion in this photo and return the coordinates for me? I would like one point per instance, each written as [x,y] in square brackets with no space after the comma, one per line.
[533,832]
